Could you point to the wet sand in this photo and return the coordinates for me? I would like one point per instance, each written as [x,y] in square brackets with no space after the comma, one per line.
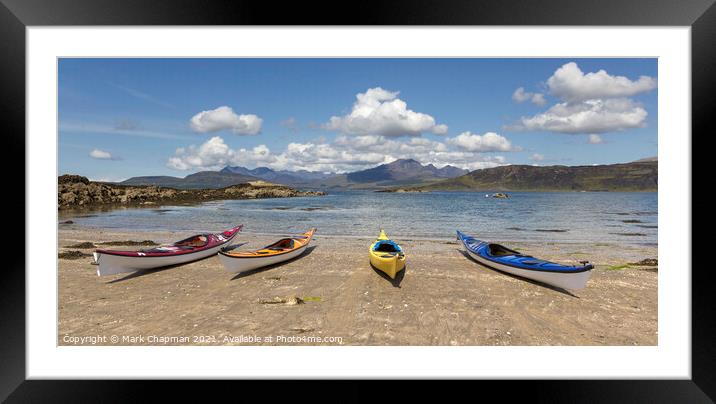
[444,298]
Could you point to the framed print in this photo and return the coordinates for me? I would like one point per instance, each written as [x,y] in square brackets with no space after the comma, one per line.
[456,193]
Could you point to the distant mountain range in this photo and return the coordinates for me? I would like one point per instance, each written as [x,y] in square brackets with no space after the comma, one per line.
[640,175]
[404,170]
[280,177]
[399,172]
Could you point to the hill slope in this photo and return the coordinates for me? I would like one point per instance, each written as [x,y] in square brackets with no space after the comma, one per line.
[202,179]
[635,176]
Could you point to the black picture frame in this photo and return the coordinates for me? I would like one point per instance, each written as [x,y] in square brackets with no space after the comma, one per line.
[16,15]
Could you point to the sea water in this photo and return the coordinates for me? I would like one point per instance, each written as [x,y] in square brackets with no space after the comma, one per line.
[606,217]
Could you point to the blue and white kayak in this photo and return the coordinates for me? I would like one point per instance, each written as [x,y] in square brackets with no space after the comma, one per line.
[503,259]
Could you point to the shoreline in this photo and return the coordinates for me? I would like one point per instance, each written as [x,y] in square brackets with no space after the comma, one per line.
[437,239]
[443,298]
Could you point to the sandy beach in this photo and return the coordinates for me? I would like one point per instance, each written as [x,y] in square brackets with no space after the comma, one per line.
[331,296]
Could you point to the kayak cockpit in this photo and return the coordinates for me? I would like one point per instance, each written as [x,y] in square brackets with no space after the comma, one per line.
[497,250]
[387,246]
[194,242]
[283,244]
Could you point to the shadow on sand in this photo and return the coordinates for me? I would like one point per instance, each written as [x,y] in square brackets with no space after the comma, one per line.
[398,277]
[143,272]
[544,285]
[308,251]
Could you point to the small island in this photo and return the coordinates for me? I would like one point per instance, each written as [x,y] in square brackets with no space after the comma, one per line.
[403,190]
[75,191]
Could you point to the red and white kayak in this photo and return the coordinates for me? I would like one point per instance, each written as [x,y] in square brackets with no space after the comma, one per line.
[191,249]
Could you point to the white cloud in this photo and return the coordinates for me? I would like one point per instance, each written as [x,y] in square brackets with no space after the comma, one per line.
[224,118]
[592,103]
[380,112]
[100,154]
[466,160]
[595,139]
[211,154]
[489,142]
[538,99]
[328,157]
[344,154]
[215,154]
[537,157]
[520,95]
[382,144]
[423,150]
[590,116]
[571,84]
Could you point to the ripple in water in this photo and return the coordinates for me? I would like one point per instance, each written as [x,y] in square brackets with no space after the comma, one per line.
[526,216]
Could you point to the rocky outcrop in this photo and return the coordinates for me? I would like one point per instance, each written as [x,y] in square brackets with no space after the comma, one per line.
[72,179]
[75,191]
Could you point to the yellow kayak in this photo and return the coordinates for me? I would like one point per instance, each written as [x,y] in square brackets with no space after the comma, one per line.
[386,255]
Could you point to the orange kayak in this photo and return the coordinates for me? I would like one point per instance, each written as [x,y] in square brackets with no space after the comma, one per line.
[236,261]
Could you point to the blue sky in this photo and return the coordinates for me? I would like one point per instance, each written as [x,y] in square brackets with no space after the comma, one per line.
[120,118]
